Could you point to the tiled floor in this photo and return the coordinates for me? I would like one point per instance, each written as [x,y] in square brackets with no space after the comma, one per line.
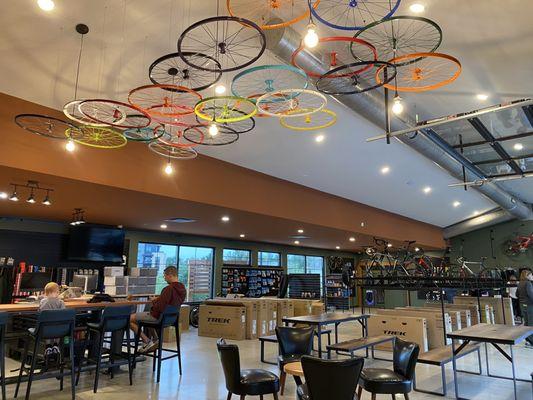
[202,376]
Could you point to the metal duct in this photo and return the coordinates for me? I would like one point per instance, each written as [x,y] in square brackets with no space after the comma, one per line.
[370,105]
[481,221]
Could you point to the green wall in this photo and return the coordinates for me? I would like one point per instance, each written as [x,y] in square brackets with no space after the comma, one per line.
[477,244]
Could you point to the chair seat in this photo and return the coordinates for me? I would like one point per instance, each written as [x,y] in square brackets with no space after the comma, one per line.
[93,325]
[288,358]
[258,381]
[302,393]
[384,381]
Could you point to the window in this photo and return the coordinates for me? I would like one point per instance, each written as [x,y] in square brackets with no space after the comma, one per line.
[314,265]
[299,264]
[196,271]
[156,255]
[235,257]
[267,259]
[295,264]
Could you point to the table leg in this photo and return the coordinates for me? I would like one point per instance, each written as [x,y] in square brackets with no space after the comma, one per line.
[319,331]
[454,367]
[337,332]
[297,380]
[514,372]
[262,351]
[487,358]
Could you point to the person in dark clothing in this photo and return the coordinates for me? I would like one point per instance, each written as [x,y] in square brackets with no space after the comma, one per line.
[525,296]
[173,294]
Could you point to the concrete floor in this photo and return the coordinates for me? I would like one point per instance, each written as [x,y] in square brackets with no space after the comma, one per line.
[203,379]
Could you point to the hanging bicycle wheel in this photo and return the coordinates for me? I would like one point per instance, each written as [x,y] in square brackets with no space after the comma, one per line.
[169,151]
[285,103]
[114,113]
[199,134]
[268,78]
[188,119]
[97,137]
[398,36]
[147,134]
[164,100]
[349,82]
[336,52]
[44,125]
[72,112]
[225,109]
[243,126]
[352,15]
[234,42]
[175,137]
[170,69]
[310,122]
[427,71]
[270,14]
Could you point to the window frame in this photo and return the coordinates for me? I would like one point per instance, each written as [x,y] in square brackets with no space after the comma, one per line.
[269,252]
[233,264]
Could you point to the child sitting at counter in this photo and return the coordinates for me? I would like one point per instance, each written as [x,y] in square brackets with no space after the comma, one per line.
[51,301]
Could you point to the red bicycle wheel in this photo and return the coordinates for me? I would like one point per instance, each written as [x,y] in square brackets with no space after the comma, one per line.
[114,113]
[164,100]
[175,137]
[338,54]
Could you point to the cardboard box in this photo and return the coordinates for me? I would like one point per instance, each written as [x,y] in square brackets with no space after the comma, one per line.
[115,281]
[151,280]
[134,272]
[412,329]
[184,317]
[225,321]
[113,271]
[318,308]
[285,309]
[271,316]
[251,312]
[498,311]
[301,307]
[115,290]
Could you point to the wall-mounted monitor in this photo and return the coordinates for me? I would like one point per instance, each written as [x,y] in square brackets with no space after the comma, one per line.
[98,243]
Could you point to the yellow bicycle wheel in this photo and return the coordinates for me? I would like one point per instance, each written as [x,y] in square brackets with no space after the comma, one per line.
[310,122]
[225,109]
[97,136]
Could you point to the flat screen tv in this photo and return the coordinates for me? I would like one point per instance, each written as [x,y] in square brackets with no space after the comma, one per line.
[96,243]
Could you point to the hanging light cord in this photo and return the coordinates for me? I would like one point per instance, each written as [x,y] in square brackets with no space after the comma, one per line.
[78,68]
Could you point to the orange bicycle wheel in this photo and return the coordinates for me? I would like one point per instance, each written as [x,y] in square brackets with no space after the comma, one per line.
[164,100]
[270,14]
[420,72]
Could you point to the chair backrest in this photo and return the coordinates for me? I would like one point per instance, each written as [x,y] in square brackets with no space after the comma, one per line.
[115,318]
[331,379]
[405,355]
[231,364]
[170,316]
[53,324]
[3,319]
[295,341]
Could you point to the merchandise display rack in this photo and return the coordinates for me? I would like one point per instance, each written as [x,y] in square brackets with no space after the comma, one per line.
[337,293]
[250,281]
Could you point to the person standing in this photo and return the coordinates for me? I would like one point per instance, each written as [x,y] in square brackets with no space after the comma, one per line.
[525,296]
[514,297]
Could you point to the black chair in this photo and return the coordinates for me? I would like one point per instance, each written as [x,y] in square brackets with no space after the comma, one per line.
[396,381]
[330,379]
[293,344]
[113,319]
[169,317]
[3,323]
[51,324]
[248,382]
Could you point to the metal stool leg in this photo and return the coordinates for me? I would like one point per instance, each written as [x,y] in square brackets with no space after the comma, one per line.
[32,368]
[159,355]
[98,360]
[136,346]
[128,348]
[3,364]
[178,345]
[22,363]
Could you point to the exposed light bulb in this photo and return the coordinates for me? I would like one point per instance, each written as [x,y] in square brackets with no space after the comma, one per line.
[417,8]
[337,247]
[14,196]
[311,37]
[31,199]
[482,96]
[385,170]
[225,218]
[518,146]
[168,169]
[163,226]
[220,89]
[242,235]
[319,138]
[417,249]
[46,5]
[426,190]
[47,201]
[70,146]
[397,106]
[352,239]
[213,130]
[3,195]
[389,245]
[456,203]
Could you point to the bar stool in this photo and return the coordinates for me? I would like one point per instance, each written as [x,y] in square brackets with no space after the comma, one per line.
[51,324]
[3,323]
[169,317]
[113,319]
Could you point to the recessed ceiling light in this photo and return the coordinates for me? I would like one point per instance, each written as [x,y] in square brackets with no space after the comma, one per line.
[225,218]
[389,244]
[482,96]
[337,247]
[476,213]
[319,138]
[518,146]
[164,226]
[242,235]
[220,89]
[385,170]
[296,242]
[3,195]
[417,8]
[46,5]
[300,231]
[426,190]
[417,249]
[456,203]
[352,239]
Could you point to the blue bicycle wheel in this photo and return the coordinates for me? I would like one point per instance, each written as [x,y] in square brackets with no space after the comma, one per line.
[352,15]
[257,81]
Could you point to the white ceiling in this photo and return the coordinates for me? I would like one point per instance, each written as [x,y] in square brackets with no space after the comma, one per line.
[39,54]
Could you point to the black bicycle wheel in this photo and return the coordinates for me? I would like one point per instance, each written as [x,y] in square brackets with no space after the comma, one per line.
[398,36]
[243,126]
[354,78]
[44,125]
[199,134]
[233,42]
[171,69]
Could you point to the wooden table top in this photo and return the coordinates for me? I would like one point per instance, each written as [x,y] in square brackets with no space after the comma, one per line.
[294,368]
[73,303]
[326,318]
[494,333]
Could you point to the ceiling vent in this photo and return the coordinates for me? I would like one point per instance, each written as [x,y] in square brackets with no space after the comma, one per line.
[181,220]
[299,237]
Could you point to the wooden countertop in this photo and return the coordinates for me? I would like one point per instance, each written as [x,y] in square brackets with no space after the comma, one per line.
[493,333]
[80,304]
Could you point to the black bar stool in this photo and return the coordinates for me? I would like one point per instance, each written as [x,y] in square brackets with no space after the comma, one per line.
[3,323]
[113,319]
[51,324]
[169,317]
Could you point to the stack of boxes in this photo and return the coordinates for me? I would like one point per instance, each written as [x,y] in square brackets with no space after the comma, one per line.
[138,281]
[115,283]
